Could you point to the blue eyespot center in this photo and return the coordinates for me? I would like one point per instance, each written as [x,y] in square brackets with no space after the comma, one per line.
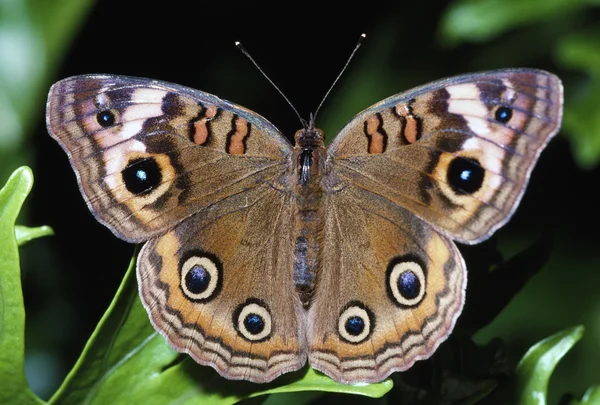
[503,114]
[465,175]
[409,285]
[355,325]
[141,176]
[254,324]
[105,118]
[197,279]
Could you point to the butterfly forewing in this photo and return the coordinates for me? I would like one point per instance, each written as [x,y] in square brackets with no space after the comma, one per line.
[458,153]
[149,154]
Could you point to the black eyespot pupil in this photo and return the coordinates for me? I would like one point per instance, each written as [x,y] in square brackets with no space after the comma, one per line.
[197,279]
[141,175]
[409,285]
[105,118]
[465,175]
[254,324]
[503,114]
[355,325]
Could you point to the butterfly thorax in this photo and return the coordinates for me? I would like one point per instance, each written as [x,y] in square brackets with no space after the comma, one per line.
[308,159]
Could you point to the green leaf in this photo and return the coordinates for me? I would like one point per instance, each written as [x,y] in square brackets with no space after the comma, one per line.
[591,397]
[316,381]
[32,36]
[26,234]
[535,368]
[580,51]
[482,20]
[13,384]
[127,361]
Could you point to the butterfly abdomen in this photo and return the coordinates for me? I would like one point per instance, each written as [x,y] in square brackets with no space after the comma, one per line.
[308,157]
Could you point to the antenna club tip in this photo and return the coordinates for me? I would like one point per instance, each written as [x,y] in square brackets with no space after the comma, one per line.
[237,43]
[363,35]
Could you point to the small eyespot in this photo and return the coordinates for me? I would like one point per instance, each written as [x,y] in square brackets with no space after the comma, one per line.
[465,175]
[142,175]
[252,320]
[406,281]
[106,118]
[356,322]
[201,276]
[355,325]
[503,114]
[254,323]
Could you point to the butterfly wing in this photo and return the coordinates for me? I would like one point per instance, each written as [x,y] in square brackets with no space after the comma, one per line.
[389,291]
[219,287]
[458,152]
[148,154]
[206,183]
[449,160]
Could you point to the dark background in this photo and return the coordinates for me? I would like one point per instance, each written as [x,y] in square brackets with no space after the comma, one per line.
[70,278]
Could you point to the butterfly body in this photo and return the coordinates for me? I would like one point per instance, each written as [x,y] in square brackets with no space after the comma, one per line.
[308,157]
[260,257]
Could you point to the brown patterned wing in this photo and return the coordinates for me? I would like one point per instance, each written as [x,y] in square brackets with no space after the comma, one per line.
[457,153]
[148,154]
[219,287]
[389,291]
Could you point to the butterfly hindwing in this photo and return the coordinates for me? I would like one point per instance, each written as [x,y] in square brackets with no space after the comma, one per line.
[390,289]
[219,287]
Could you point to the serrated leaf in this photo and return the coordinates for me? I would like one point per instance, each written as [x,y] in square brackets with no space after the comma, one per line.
[13,384]
[535,368]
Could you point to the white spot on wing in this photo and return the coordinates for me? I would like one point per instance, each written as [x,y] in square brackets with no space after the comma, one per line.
[115,160]
[465,101]
[145,104]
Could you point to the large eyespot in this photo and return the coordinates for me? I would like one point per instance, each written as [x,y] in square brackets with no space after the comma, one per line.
[465,175]
[201,276]
[106,118]
[503,114]
[406,281]
[356,322]
[142,175]
[252,320]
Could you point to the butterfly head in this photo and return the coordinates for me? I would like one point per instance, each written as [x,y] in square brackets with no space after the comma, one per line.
[309,136]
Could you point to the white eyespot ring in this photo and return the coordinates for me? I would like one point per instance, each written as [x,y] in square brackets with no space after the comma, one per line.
[356,322]
[205,289]
[252,320]
[396,272]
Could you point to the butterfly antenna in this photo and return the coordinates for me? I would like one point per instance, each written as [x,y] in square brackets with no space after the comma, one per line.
[358,44]
[245,52]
